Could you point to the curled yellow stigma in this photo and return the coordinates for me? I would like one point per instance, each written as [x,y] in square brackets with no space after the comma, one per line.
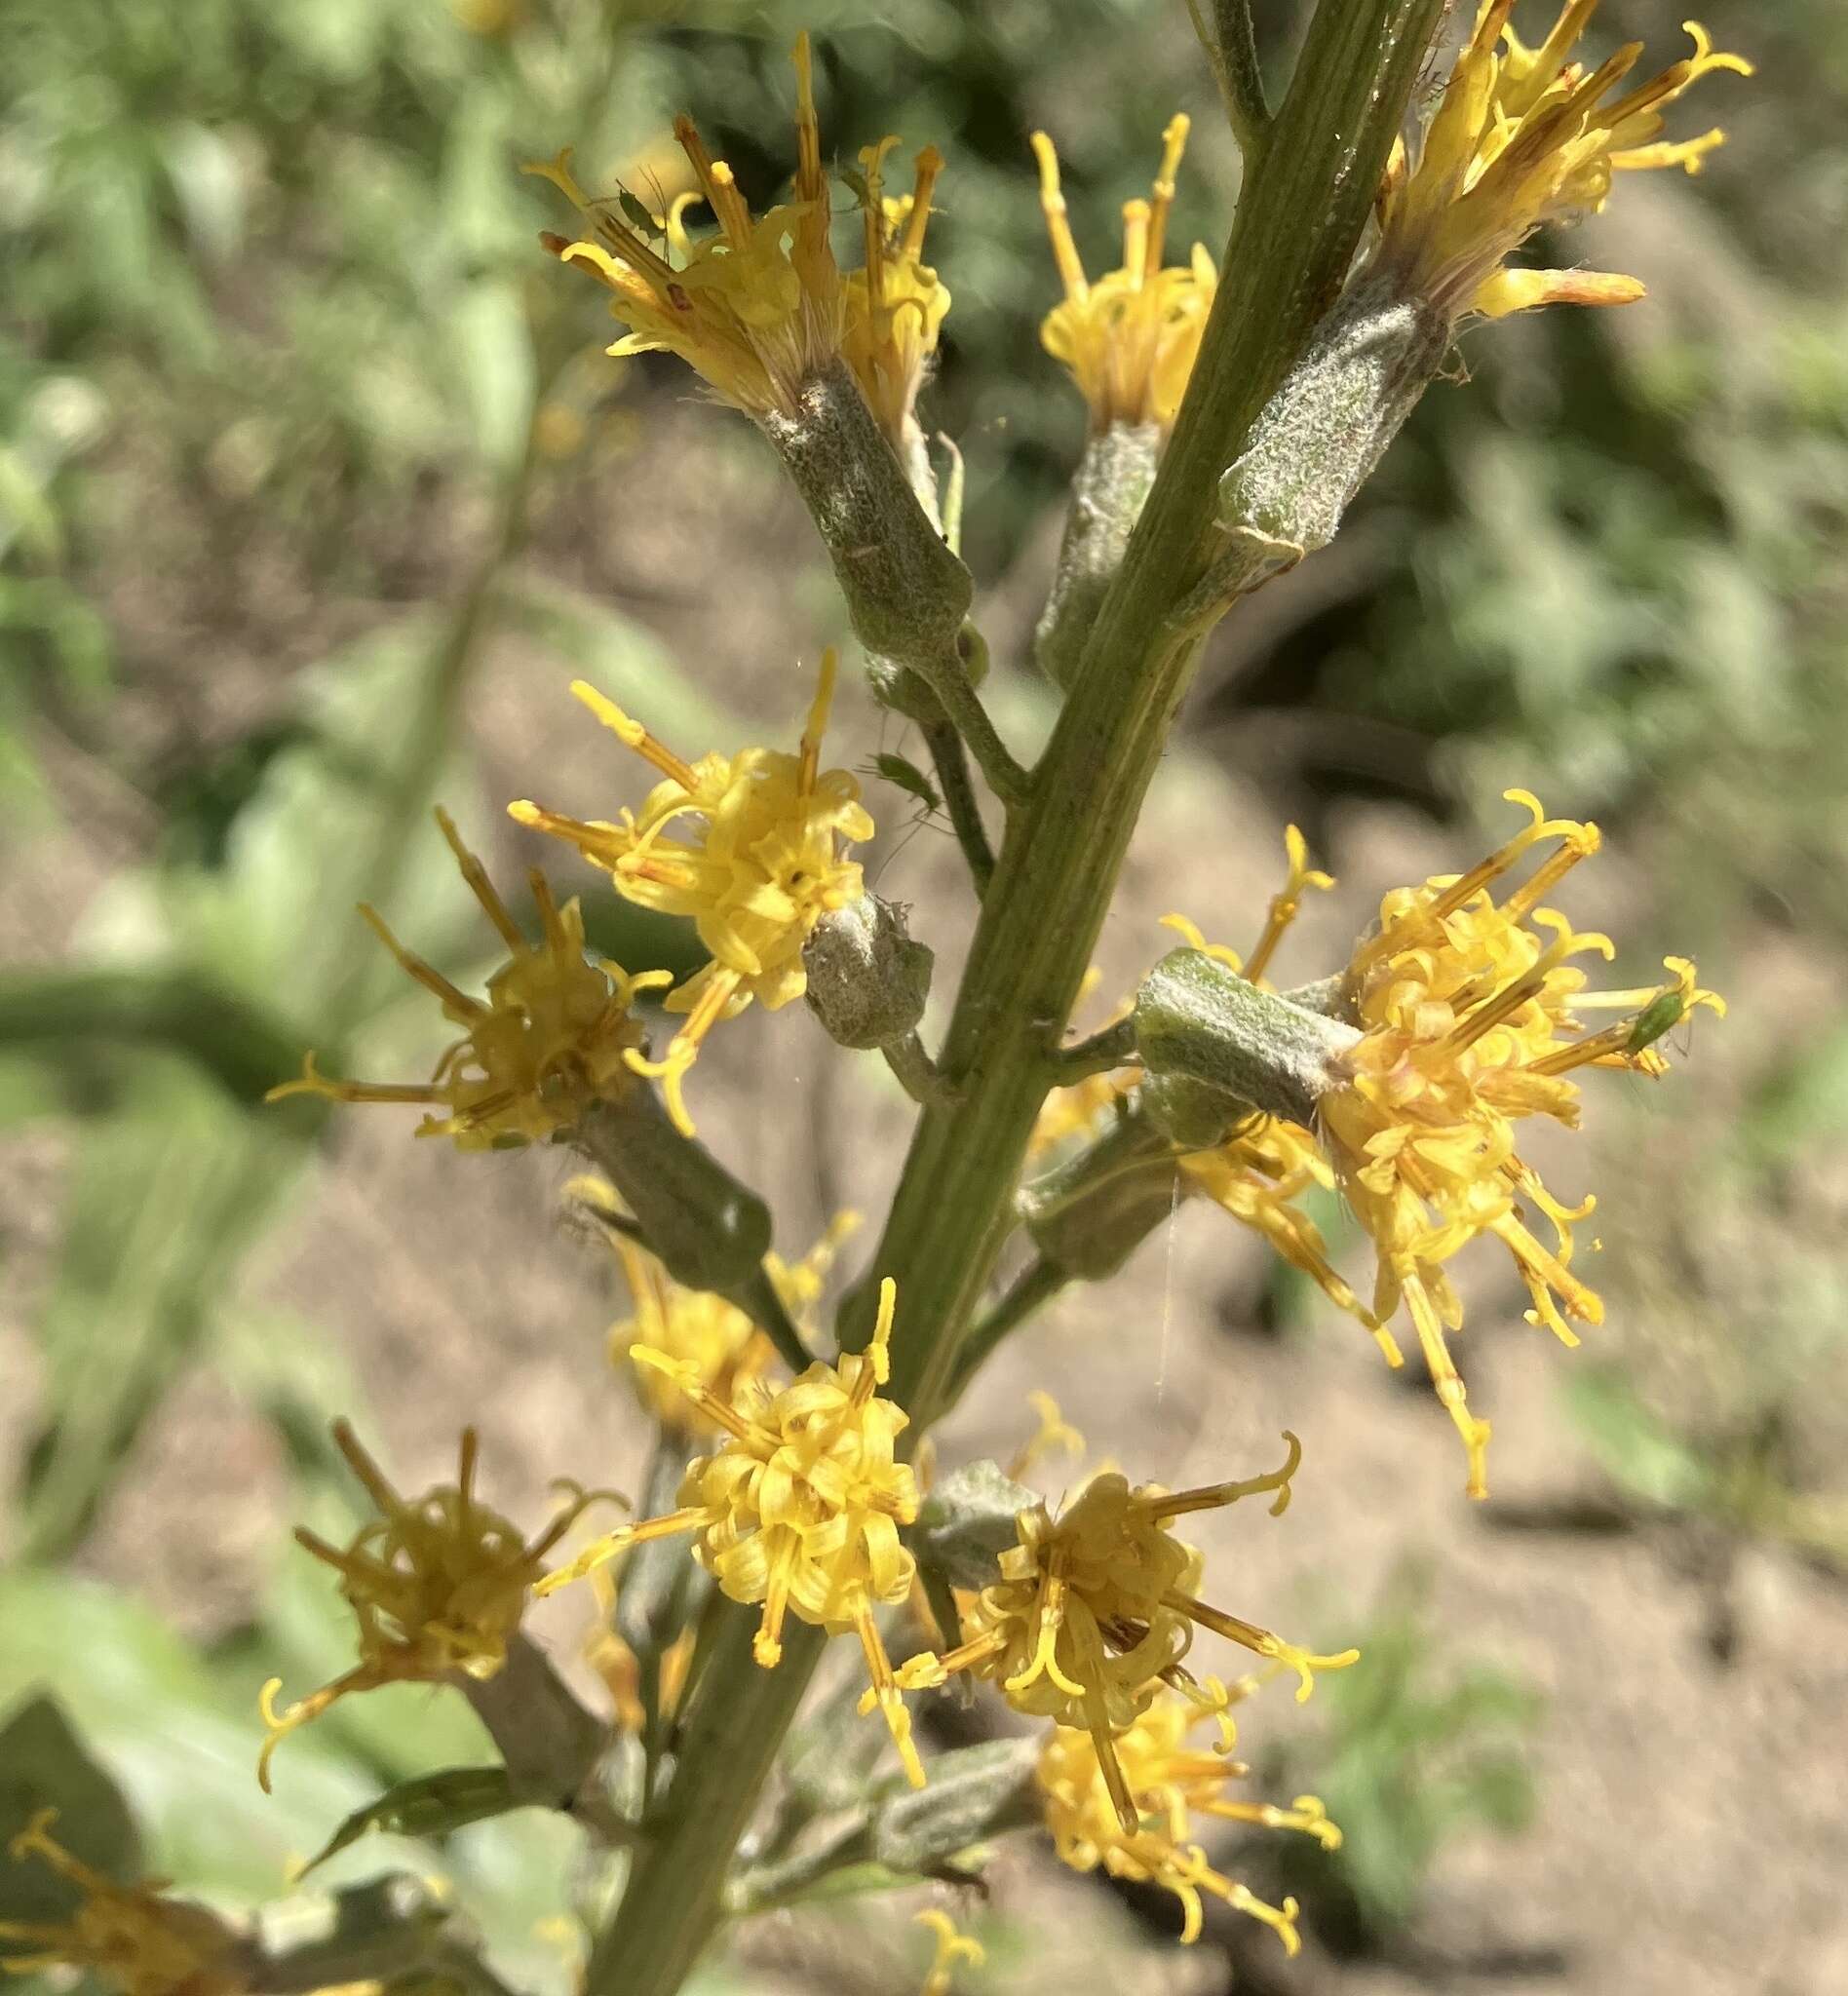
[1129,340]
[1524,137]
[1096,1609]
[437,1584]
[762,862]
[1469,999]
[1168,1781]
[552,1034]
[798,1507]
[951,1947]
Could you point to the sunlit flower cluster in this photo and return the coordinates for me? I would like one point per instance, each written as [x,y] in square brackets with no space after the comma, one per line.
[764,863]
[894,303]
[135,1938]
[1127,340]
[1470,1016]
[1168,1781]
[1096,1609]
[799,1506]
[437,1584]
[553,1035]
[1524,137]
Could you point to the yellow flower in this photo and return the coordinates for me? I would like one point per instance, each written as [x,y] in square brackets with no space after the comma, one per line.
[133,1936]
[437,1586]
[1129,340]
[551,1038]
[950,1948]
[1471,1022]
[755,310]
[1523,138]
[895,305]
[763,867]
[696,1328]
[798,1507]
[620,1668]
[1168,1781]
[1096,1609]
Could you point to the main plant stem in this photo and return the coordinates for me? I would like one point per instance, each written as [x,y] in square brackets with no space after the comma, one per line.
[1296,228]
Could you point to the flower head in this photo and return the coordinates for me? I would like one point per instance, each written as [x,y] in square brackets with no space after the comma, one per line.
[1523,137]
[550,1038]
[696,1328]
[1470,1016]
[764,865]
[895,305]
[1129,340]
[1168,1781]
[755,310]
[1096,1609]
[135,1938]
[437,1584]
[799,1506]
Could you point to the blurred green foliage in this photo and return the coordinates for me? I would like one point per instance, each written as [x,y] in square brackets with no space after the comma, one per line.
[285,391]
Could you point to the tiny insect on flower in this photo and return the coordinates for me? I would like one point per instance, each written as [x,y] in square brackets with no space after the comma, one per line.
[1169,1783]
[137,1940]
[1470,1024]
[1096,1609]
[1521,137]
[551,1037]
[437,1585]
[764,864]
[798,1507]
[1129,340]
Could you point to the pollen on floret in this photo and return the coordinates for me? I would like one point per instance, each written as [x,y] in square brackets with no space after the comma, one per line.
[1521,138]
[437,1584]
[798,1507]
[1469,1003]
[552,1036]
[1168,1781]
[1096,1609]
[763,860]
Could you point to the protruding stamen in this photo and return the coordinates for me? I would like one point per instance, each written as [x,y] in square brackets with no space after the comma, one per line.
[817,724]
[633,735]
[1173,144]
[1216,1496]
[1071,271]
[459,1006]
[928,164]
[480,885]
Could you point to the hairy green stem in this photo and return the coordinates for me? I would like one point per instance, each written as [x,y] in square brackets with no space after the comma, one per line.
[1295,233]
[951,763]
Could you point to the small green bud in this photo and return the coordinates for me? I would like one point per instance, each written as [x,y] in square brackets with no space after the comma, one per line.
[974,1792]
[1107,493]
[867,979]
[1198,1020]
[1192,1115]
[967,1522]
[1320,435]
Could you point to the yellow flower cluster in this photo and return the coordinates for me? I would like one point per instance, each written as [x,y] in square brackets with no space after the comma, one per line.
[1168,1781]
[135,1938]
[1470,1024]
[1524,137]
[763,867]
[799,1506]
[895,304]
[1129,340]
[1096,1609]
[438,1587]
[693,1328]
[755,310]
[553,1035]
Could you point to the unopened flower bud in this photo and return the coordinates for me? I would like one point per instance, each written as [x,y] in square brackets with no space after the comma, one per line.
[1198,1020]
[1093,1212]
[1193,1115]
[967,1521]
[1320,435]
[867,979]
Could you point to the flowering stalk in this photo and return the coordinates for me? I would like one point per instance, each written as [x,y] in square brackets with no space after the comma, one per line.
[1296,232]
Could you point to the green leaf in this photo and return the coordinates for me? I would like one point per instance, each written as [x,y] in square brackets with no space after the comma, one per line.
[431,1805]
[45,1765]
[1631,1444]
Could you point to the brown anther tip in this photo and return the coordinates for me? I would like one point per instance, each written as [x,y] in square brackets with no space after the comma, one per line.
[552,244]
